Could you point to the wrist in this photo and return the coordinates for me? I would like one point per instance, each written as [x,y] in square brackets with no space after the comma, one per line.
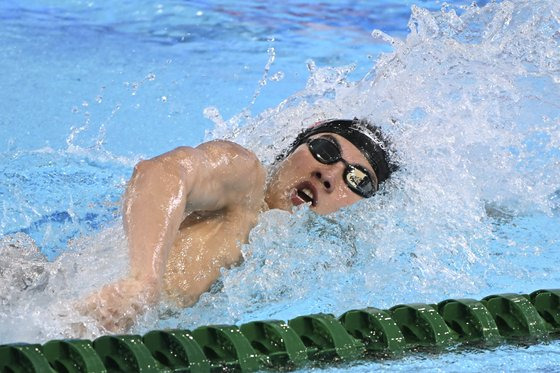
[147,280]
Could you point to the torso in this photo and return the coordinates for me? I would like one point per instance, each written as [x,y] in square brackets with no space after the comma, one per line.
[207,241]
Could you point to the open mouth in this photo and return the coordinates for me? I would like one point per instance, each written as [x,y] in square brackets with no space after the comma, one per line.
[304,193]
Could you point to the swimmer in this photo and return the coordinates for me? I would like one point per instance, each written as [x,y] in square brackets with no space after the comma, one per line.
[186,212]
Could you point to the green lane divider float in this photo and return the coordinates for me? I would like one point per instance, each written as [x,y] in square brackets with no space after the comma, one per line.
[376,329]
[177,350]
[547,303]
[73,356]
[422,326]
[470,321]
[20,358]
[225,346]
[126,353]
[515,316]
[326,338]
[357,334]
[276,340]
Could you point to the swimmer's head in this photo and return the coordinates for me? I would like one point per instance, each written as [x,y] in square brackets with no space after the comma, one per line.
[330,165]
[363,135]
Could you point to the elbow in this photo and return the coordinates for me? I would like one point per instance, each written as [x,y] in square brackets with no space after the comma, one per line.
[172,161]
[141,170]
[146,169]
[143,166]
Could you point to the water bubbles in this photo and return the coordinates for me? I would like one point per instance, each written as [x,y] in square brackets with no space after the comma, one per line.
[214,115]
[277,76]
[311,66]
[463,100]
[380,35]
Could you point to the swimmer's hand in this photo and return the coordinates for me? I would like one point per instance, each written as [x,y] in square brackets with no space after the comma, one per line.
[117,306]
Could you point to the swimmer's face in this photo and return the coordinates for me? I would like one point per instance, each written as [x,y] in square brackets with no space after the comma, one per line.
[300,178]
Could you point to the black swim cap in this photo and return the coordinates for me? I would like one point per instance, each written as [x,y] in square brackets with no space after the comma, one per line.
[364,136]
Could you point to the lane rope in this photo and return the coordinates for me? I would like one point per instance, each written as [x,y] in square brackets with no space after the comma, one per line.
[364,334]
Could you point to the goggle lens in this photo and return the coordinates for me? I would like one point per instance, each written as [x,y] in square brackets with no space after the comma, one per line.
[356,177]
[325,151]
[359,181]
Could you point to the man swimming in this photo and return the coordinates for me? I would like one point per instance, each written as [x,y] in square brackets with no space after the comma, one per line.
[186,212]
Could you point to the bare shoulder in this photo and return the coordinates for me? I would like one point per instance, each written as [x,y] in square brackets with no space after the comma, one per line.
[227,150]
[217,150]
[213,154]
[222,173]
[235,157]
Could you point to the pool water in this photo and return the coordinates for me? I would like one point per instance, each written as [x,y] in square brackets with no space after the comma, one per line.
[470,95]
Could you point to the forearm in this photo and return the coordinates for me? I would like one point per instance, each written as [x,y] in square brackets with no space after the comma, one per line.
[154,208]
[154,204]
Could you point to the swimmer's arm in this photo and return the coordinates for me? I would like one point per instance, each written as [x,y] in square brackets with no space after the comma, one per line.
[217,175]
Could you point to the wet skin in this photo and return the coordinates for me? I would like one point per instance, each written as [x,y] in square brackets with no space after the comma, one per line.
[185,213]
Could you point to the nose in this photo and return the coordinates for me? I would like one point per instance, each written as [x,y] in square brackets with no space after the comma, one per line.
[327,176]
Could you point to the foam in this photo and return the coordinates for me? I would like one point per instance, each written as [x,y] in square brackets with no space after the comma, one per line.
[470,98]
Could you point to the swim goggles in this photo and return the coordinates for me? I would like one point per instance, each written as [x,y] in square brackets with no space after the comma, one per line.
[326,150]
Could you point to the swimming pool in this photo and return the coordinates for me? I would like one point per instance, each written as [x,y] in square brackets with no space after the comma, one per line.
[470,95]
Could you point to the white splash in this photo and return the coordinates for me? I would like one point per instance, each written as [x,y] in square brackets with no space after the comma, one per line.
[34,290]
[472,104]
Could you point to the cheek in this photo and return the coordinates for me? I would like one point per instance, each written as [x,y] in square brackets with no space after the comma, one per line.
[296,167]
[344,195]
[341,197]
[289,173]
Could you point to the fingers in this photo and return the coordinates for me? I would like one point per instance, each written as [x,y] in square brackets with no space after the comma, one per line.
[117,306]
[107,308]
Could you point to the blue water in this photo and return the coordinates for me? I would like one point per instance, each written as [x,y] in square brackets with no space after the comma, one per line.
[137,77]
[469,94]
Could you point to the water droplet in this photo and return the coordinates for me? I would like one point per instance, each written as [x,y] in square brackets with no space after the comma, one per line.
[277,77]
[311,65]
